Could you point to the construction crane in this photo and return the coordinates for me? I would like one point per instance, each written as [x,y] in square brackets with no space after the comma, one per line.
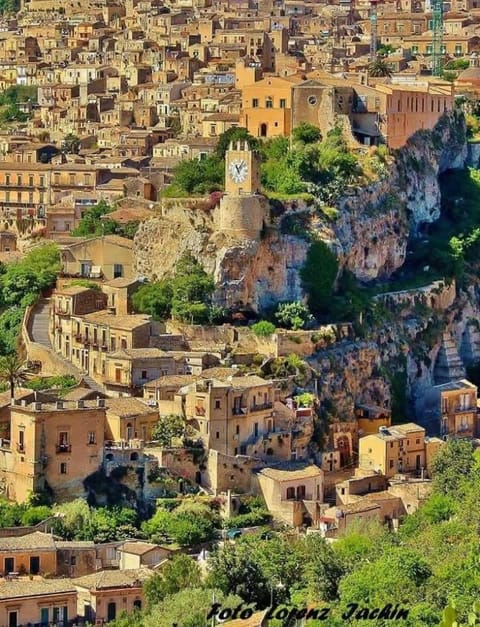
[437,28]
[373,30]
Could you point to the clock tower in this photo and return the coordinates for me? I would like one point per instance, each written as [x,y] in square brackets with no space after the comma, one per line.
[241,170]
[243,212]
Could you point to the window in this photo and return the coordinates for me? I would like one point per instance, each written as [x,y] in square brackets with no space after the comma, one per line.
[217,435]
[30,181]
[391,463]
[63,468]
[290,494]
[91,437]
[44,618]
[269,103]
[283,103]
[217,403]
[117,270]
[19,180]
[312,100]
[237,429]
[255,103]
[7,179]
[414,49]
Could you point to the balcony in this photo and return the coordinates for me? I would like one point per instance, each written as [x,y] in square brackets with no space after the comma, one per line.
[64,448]
[261,407]
[20,448]
[239,411]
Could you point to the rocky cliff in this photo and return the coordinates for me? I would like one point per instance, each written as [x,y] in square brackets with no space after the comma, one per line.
[369,234]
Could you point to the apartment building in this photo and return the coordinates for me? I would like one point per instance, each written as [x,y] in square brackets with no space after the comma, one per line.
[53,447]
[101,332]
[397,450]
[233,417]
[450,409]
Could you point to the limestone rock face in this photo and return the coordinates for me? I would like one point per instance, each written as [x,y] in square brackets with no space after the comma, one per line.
[369,234]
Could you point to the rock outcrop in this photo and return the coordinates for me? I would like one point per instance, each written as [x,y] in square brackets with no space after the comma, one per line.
[369,234]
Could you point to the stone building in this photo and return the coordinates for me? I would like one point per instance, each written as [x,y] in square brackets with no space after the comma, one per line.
[53,447]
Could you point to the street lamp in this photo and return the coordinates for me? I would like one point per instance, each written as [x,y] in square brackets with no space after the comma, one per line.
[279,586]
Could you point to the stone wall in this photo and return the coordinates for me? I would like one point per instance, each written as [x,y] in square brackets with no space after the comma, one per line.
[438,295]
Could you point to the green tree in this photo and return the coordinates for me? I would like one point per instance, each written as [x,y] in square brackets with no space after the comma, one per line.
[34,515]
[293,315]
[234,134]
[168,428]
[307,133]
[184,528]
[13,371]
[233,570]
[180,573]
[192,291]
[91,222]
[71,144]
[451,464]
[154,299]
[379,68]
[189,608]
[199,176]
[318,276]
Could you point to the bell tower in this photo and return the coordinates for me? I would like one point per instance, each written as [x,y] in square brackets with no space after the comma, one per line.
[242,170]
[243,211]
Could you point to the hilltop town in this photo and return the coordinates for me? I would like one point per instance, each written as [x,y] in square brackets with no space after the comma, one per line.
[239,311]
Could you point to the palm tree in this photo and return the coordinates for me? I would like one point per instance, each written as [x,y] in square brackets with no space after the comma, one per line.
[12,371]
[378,68]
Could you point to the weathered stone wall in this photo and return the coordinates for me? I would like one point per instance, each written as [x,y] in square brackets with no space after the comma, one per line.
[369,234]
[437,295]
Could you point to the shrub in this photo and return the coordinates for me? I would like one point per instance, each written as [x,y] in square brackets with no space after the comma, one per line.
[250,519]
[263,328]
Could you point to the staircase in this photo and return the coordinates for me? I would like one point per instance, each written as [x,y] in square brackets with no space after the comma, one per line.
[40,322]
[39,333]
[449,366]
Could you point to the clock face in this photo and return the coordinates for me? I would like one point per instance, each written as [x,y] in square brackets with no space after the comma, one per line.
[238,170]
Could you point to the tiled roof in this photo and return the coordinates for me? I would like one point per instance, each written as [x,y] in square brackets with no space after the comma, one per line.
[171,380]
[128,406]
[138,548]
[35,587]
[35,540]
[113,579]
[291,474]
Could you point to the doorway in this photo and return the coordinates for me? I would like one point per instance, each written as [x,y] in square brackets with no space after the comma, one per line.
[263,130]
[34,565]
[9,565]
[12,619]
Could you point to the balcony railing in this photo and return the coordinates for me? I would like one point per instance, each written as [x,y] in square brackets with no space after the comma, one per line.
[200,411]
[64,448]
[261,407]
